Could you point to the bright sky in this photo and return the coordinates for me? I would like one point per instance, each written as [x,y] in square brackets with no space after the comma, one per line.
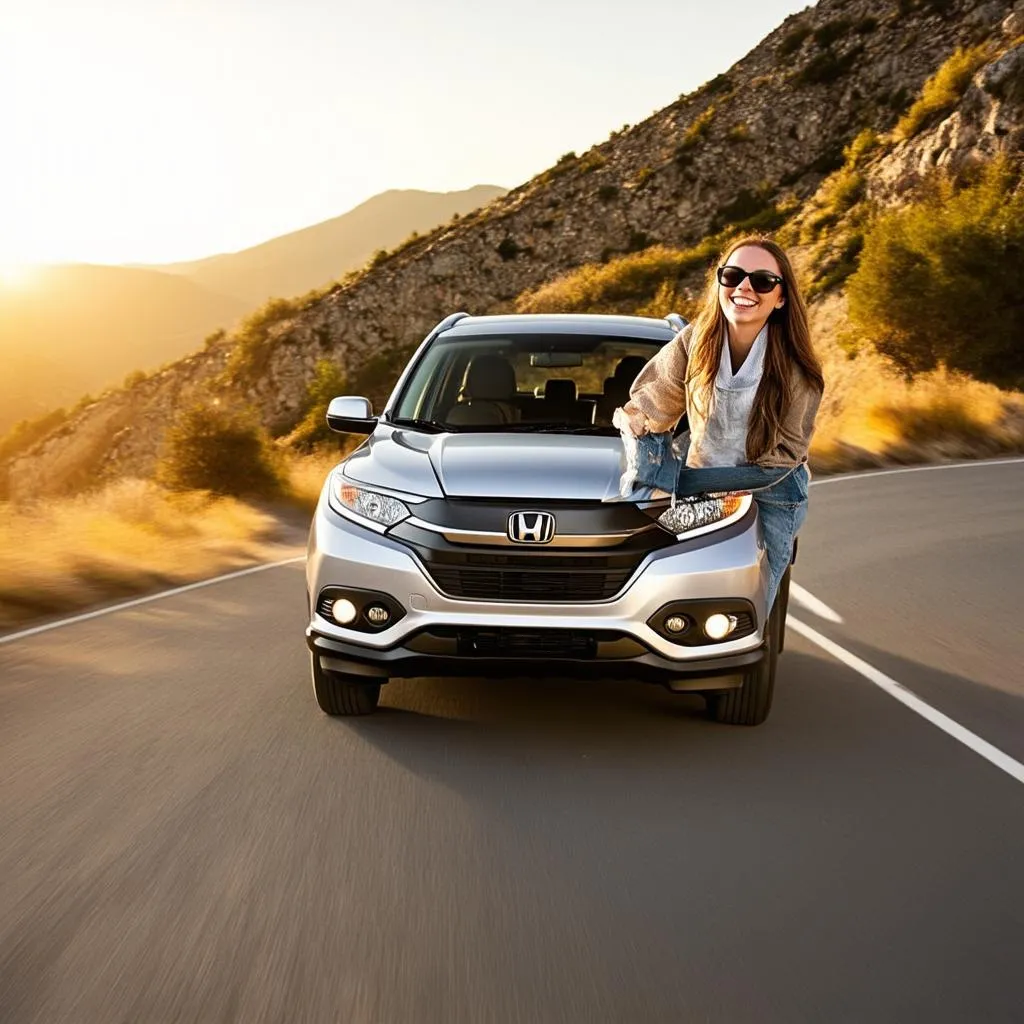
[164,130]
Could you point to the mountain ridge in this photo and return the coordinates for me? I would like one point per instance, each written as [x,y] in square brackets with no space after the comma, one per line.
[102,322]
[738,151]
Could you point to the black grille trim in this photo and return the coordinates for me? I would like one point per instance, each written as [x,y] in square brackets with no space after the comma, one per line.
[511,643]
[548,575]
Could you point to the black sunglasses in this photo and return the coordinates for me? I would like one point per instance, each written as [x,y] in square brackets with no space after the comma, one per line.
[762,281]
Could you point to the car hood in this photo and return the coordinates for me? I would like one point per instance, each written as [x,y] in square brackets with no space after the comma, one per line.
[483,465]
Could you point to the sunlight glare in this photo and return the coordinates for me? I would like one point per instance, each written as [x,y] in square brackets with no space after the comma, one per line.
[16,275]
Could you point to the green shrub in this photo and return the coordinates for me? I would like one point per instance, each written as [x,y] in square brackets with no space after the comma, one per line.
[738,133]
[508,249]
[252,340]
[215,338]
[861,146]
[745,205]
[827,34]
[719,84]
[697,130]
[642,177]
[939,281]
[211,448]
[793,40]
[620,284]
[592,161]
[866,25]
[942,92]
[836,269]
[827,67]
[328,381]
[606,193]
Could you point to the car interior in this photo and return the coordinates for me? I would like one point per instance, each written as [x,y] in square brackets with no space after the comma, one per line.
[489,395]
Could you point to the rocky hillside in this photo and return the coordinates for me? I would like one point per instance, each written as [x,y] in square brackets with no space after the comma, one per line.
[750,145]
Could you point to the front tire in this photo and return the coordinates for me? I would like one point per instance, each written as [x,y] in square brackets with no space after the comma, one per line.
[338,694]
[750,703]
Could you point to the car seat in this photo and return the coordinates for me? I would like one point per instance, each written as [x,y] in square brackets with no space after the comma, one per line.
[615,393]
[488,394]
[561,403]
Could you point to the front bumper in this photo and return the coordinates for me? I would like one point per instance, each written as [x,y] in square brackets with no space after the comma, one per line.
[442,635]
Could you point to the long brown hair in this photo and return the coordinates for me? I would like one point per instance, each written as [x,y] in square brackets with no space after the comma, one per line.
[789,345]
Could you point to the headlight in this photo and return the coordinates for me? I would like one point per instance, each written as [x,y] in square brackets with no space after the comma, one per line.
[377,508]
[686,517]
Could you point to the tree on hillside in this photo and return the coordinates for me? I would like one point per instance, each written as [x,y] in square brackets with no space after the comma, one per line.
[329,381]
[225,451]
[939,281]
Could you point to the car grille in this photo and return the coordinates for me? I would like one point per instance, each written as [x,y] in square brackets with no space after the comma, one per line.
[547,644]
[530,584]
[550,576]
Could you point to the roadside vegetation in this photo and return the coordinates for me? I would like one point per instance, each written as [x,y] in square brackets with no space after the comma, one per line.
[131,536]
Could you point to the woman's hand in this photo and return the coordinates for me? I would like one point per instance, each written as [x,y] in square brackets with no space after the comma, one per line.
[636,420]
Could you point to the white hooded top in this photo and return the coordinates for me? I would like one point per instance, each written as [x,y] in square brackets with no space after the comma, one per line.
[721,439]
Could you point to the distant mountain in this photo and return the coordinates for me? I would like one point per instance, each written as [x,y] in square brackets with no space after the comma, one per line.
[295,263]
[81,328]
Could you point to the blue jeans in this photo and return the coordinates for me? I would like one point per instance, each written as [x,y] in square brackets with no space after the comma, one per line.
[780,495]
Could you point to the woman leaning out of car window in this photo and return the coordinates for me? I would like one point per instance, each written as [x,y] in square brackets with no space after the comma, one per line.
[746,375]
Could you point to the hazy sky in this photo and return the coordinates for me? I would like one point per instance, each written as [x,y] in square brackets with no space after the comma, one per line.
[153,131]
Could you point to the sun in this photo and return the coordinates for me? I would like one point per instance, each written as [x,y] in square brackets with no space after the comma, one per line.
[16,275]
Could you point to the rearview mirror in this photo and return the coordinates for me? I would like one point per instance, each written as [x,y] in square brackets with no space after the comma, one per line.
[349,414]
[551,359]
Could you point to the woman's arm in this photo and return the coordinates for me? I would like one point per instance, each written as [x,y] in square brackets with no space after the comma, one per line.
[657,399]
[797,428]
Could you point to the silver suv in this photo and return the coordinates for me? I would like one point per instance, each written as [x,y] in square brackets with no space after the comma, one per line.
[480,530]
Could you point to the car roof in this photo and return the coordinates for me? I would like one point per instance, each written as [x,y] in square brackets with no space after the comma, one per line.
[645,327]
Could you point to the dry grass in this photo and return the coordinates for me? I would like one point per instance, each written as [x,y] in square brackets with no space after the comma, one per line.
[305,474]
[61,554]
[870,416]
[942,92]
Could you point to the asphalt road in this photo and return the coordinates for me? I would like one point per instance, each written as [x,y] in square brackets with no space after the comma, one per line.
[185,837]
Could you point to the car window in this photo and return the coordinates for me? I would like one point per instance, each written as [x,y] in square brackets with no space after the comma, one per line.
[516,382]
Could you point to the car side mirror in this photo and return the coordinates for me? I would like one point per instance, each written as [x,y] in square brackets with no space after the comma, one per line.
[348,414]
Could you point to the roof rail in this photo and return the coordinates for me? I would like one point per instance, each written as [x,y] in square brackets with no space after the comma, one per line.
[677,321]
[448,321]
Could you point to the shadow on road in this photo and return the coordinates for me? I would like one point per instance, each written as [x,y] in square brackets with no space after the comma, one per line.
[826,719]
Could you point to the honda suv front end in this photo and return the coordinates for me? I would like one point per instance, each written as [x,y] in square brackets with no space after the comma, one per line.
[480,531]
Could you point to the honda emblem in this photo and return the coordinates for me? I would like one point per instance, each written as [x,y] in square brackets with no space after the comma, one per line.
[531,527]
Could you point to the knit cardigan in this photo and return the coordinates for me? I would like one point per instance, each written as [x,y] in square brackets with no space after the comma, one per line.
[660,393]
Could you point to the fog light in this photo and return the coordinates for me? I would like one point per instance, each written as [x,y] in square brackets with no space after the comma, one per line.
[676,624]
[719,626]
[377,614]
[343,611]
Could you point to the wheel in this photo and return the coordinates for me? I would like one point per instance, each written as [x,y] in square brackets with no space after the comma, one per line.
[338,694]
[750,703]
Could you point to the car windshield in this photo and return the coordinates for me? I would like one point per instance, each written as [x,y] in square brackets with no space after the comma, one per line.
[522,382]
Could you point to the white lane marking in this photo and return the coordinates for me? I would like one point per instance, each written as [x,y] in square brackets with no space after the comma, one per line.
[969,739]
[814,605]
[840,477]
[9,637]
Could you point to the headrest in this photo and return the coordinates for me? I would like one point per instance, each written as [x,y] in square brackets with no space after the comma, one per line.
[490,378]
[629,367]
[560,390]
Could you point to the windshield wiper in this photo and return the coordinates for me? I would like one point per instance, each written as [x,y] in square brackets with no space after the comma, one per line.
[430,426]
[557,428]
